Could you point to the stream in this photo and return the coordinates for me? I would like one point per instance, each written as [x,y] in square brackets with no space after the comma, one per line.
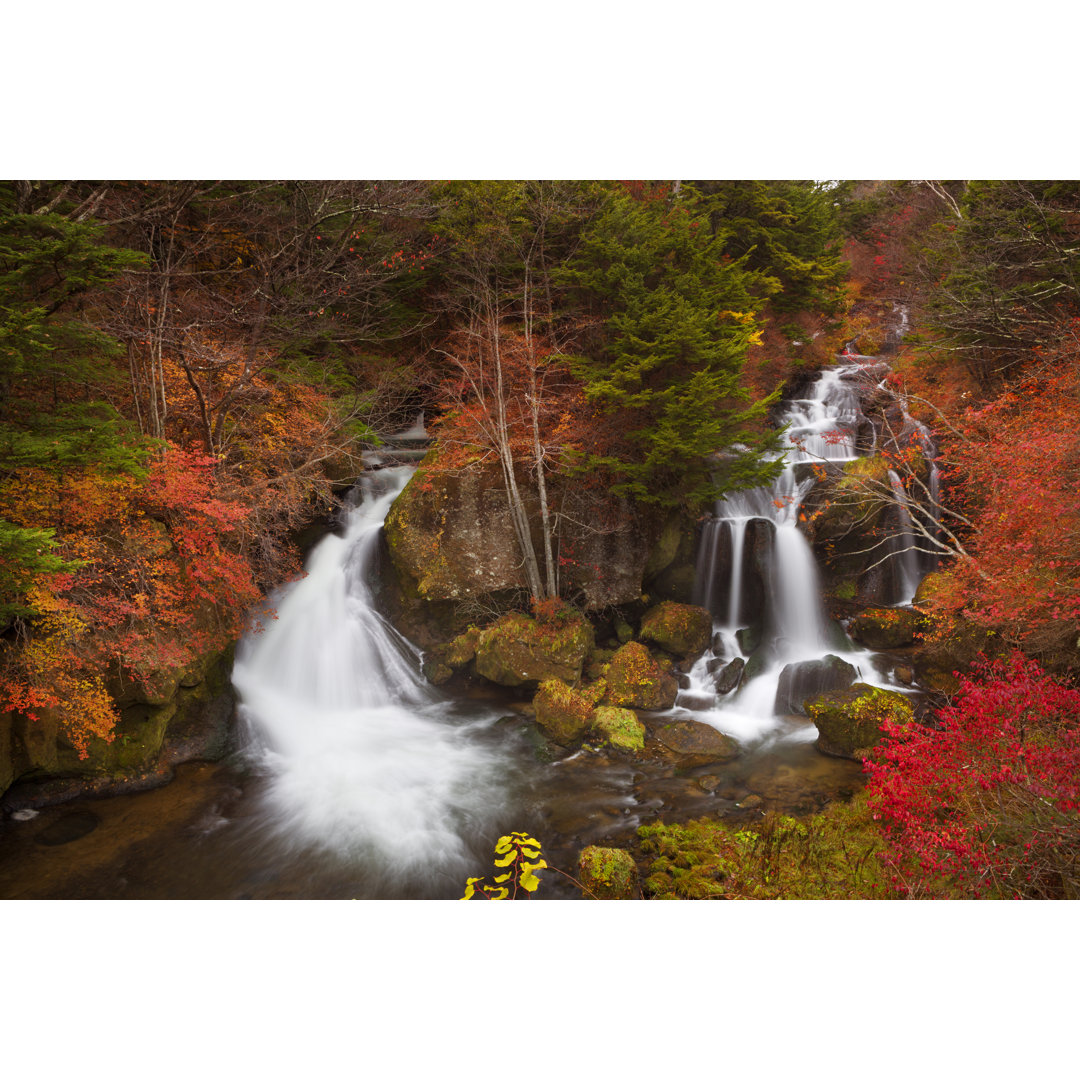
[358,779]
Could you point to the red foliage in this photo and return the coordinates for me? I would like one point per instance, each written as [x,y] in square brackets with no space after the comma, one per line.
[988,805]
[1017,459]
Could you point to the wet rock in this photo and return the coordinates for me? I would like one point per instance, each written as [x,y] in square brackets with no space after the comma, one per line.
[518,650]
[681,629]
[727,678]
[751,802]
[810,679]
[849,720]
[607,873]
[635,679]
[563,713]
[885,627]
[619,728]
[904,673]
[695,744]
[749,638]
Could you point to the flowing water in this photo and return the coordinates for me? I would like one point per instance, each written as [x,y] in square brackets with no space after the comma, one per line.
[359,779]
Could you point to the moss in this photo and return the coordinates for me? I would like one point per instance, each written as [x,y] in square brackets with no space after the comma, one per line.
[682,629]
[518,650]
[563,713]
[846,590]
[849,721]
[634,678]
[607,873]
[827,856]
[619,728]
[885,627]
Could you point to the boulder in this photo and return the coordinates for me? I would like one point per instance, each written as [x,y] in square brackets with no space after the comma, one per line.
[885,627]
[849,721]
[563,714]
[695,744]
[619,728]
[681,629]
[451,537]
[635,679]
[727,677]
[518,650]
[810,679]
[607,873]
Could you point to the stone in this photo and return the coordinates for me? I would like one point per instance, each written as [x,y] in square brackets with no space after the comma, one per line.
[619,728]
[849,720]
[810,679]
[695,744]
[635,679]
[727,678]
[607,873]
[885,627]
[518,650]
[681,629]
[563,714]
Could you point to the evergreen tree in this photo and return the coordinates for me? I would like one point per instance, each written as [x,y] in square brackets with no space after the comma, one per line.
[678,314]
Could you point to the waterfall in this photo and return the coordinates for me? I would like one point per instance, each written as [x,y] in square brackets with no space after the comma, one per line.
[363,757]
[789,630]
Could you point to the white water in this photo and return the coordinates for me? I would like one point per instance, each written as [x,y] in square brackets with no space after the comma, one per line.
[363,757]
[820,428]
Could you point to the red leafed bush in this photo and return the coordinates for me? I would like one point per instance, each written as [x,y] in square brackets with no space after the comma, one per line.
[987,806]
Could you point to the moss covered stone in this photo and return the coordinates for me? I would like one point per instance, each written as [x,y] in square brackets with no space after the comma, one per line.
[885,627]
[518,650]
[849,721]
[564,714]
[635,679]
[607,873]
[681,629]
[619,728]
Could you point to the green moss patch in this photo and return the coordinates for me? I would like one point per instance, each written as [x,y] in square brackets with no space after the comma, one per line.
[607,873]
[619,728]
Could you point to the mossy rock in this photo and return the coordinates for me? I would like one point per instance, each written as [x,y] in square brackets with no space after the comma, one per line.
[597,662]
[518,650]
[564,714]
[443,661]
[696,744]
[849,721]
[810,679]
[607,873]
[634,678]
[681,629]
[619,728]
[885,627]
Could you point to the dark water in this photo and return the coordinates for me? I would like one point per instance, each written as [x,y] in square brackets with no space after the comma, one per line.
[205,835]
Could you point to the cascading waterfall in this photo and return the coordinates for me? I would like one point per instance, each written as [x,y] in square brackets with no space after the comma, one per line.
[364,758]
[792,629]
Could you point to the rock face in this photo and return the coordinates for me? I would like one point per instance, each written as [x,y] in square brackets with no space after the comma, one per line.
[519,651]
[154,733]
[844,512]
[451,538]
[810,679]
[681,629]
[849,721]
[884,628]
[635,679]
[608,873]
[695,744]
